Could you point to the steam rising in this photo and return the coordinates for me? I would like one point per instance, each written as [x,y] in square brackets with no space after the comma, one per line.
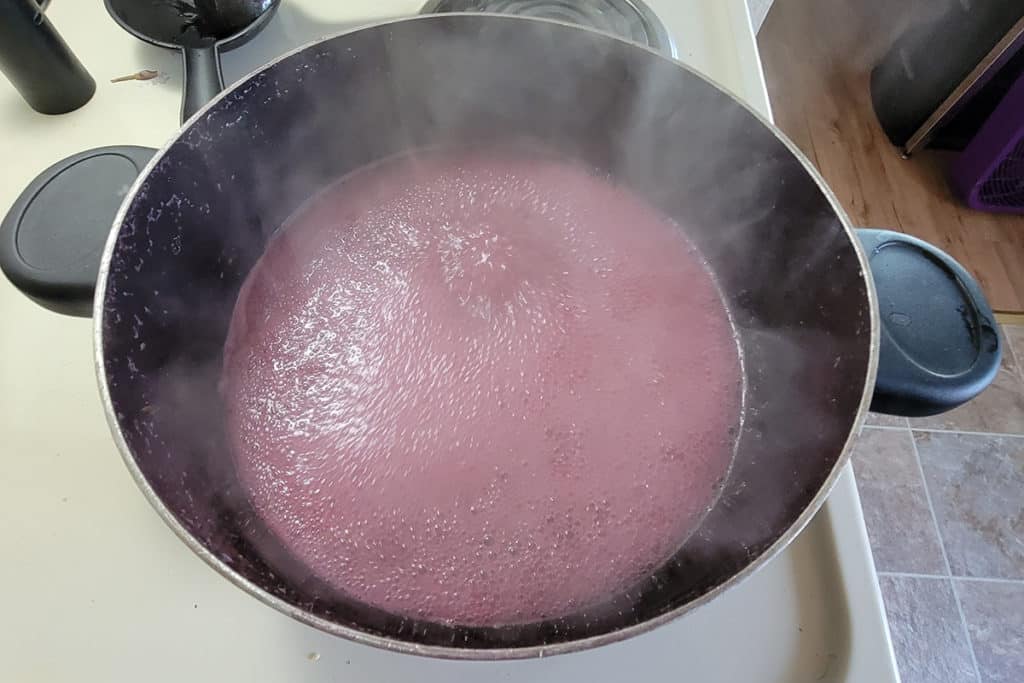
[780,257]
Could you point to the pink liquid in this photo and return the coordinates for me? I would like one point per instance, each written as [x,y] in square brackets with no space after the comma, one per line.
[481,388]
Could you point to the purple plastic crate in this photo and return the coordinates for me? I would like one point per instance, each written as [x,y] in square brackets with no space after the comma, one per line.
[989,174]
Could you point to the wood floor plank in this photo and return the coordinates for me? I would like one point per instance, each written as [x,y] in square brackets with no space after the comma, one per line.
[791,119]
[817,56]
[869,145]
[1013,265]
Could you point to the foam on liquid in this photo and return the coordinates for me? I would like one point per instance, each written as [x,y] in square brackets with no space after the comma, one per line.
[480,388]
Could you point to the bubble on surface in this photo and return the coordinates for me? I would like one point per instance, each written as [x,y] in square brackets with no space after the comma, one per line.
[480,388]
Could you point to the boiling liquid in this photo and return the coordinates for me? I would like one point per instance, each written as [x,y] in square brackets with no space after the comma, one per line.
[481,388]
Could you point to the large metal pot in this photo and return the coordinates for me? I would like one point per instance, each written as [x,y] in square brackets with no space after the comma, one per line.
[791,269]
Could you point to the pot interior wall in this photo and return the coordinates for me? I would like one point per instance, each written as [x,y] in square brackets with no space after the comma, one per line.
[203,215]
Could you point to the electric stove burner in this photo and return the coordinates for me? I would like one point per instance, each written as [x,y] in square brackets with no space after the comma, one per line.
[629,19]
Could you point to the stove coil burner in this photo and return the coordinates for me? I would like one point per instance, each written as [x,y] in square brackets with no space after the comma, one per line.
[629,19]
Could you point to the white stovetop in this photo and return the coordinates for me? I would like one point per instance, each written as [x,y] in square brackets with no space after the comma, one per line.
[93,587]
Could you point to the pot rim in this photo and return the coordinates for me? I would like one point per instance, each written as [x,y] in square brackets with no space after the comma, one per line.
[449,652]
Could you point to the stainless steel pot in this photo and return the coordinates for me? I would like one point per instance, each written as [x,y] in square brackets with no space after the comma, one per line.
[791,268]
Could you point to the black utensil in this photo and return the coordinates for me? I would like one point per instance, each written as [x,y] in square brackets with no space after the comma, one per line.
[201,29]
[38,62]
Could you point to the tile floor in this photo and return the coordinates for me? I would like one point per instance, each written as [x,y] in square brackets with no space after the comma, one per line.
[943,499]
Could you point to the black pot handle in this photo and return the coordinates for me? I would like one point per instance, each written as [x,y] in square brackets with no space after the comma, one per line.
[940,345]
[52,239]
[203,79]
